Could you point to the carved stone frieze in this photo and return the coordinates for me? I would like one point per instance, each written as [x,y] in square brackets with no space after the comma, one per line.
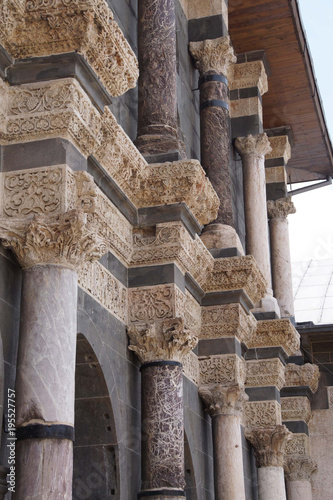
[168,341]
[67,239]
[298,445]
[87,27]
[191,367]
[180,181]
[280,208]
[330,397]
[155,303]
[254,145]
[280,148]
[192,313]
[264,373]
[216,55]
[250,74]
[173,243]
[299,467]
[221,400]
[225,369]
[227,320]
[275,333]
[304,375]
[296,408]
[236,273]
[269,444]
[98,282]
[262,414]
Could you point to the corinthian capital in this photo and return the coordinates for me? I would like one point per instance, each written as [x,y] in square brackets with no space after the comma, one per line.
[280,208]
[171,342]
[67,239]
[221,400]
[299,468]
[254,145]
[215,56]
[269,444]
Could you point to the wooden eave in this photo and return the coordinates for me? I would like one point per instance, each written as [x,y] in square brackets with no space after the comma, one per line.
[293,97]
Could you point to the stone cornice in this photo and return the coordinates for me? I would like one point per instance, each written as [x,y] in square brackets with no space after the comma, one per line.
[169,341]
[225,369]
[235,273]
[280,148]
[221,400]
[250,74]
[280,208]
[269,444]
[263,373]
[213,56]
[275,333]
[253,145]
[80,26]
[299,467]
[302,376]
[296,409]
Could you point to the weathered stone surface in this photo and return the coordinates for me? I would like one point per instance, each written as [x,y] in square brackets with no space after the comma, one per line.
[225,369]
[260,414]
[305,375]
[263,373]
[250,74]
[296,408]
[299,467]
[279,332]
[271,483]
[269,444]
[223,400]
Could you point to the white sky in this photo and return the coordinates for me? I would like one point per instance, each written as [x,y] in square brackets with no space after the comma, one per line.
[311,228]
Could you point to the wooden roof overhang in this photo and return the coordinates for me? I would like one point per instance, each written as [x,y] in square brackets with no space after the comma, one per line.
[293,97]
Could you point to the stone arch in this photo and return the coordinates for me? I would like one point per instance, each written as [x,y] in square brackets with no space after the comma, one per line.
[95,473]
[191,467]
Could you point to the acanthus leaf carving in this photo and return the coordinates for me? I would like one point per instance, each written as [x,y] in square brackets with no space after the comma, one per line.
[280,208]
[215,55]
[220,400]
[299,468]
[269,444]
[255,145]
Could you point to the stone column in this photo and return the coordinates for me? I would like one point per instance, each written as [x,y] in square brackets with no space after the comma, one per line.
[253,150]
[298,471]
[50,251]
[225,405]
[278,212]
[161,349]
[158,125]
[269,444]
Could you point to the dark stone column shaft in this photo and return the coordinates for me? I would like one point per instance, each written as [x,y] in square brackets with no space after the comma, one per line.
[162,430]
[158,125]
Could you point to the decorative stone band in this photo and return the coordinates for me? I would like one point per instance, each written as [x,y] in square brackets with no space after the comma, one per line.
[44,431]
[248,75]
[301,376]
[80,26]
[227,320]
[262,414]
[264,373]
[280,208]
[166,341]
[298,445]
[299,467]
[253,145]
[221,400]
[235,273]
[213,56]
[269,444]
[225,369]
[280,148]
[191,367]
[296,409]
[276,333]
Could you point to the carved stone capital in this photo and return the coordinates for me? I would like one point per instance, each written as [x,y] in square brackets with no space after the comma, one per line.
[265,372]
[253,145]
[67,239]
[269,445]
[215,56]
[225,369]
[250,74]
[296,408]
[299,467]
[280,148]
[280,208]
[304,375]
[235,273]
[169,341]
[221,400]
[275,333]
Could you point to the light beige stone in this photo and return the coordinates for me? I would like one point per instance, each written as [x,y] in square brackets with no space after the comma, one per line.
[300,376]
[276,174]
[224,369]
[296,408]
[202,8]
[299,490]
[262,414]
[280,148]
[275,333]
[271,483]
[246,107]
[321,434]
[249,74]
[264,373]
[221,236]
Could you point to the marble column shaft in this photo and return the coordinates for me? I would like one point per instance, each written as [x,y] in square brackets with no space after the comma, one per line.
[299,490]
[158,124]
[271,483]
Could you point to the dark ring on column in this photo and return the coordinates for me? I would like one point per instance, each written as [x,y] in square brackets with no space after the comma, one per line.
[166,493]
[213,78]
[214,103]
[160,363]
[39,431]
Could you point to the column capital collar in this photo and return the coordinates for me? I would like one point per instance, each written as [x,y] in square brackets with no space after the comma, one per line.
[215,55]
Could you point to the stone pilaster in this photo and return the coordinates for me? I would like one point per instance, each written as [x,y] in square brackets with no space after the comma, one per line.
[278,212]
[214,60]
[299,470]
[161,347]
[275,164]
[50,250]
[253,150]
[158,126]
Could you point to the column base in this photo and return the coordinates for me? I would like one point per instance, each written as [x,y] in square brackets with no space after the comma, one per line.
[158,148]
[221,236]
[162,494]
